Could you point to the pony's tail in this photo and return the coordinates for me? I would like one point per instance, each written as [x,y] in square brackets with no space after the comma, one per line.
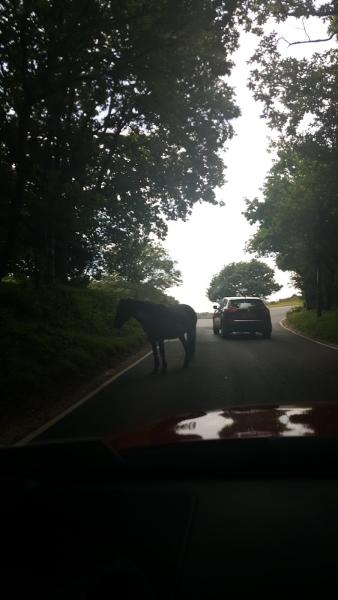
[191,341]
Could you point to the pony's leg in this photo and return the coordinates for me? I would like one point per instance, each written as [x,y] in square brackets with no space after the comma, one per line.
[186,350]
[156,358]
[162,353]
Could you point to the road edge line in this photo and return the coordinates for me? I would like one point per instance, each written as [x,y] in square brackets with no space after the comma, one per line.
[306,337]
[28,438]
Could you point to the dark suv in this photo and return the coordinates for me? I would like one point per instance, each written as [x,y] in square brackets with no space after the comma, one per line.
[242,315]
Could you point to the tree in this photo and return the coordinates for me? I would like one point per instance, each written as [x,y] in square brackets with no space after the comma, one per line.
[112,118]
[253,278]
[298,223]
[259,12]
[297,216]
[143,262]
[113,115]
[294,90]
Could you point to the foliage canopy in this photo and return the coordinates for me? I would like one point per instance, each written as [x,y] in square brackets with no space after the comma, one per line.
[253,278]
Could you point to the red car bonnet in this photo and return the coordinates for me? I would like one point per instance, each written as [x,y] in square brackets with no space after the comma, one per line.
[232,423]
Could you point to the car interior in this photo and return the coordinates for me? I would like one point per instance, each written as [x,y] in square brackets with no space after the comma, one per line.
[203,520]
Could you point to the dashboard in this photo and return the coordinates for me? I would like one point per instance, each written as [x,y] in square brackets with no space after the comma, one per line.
[82,522]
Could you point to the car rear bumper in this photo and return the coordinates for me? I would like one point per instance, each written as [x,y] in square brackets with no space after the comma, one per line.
[247,325]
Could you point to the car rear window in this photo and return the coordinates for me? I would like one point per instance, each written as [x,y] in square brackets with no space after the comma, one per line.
[246,303]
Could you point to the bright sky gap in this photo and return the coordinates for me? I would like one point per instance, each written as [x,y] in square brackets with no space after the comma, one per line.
[215,236]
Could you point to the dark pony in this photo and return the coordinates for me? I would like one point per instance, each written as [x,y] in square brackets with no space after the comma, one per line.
[161,323]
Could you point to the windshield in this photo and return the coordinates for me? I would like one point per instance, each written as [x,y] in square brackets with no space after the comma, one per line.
[168,219]
[246,303]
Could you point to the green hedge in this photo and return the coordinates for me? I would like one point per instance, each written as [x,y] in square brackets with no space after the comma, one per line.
[57,337]
[307,322]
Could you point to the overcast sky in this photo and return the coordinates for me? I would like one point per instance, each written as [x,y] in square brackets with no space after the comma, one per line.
[214,236]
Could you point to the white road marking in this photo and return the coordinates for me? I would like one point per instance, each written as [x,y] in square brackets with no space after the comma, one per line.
[307,337]
[69,410]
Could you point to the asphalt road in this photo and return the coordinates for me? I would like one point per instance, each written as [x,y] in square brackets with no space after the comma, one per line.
[225,373]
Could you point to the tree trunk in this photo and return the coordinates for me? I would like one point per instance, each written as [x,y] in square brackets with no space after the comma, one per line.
[21,161]
[319,298]
[329,288]
[17,196]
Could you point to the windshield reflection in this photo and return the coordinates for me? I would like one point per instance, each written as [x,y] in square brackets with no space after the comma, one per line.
[246,422]
[294,428]
[207,427]
[237,423]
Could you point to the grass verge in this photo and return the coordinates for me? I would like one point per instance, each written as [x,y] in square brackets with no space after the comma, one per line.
[323,328]
[292,301]
[52,344]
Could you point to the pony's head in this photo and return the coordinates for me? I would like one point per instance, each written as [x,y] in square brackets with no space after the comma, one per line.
[123,312]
